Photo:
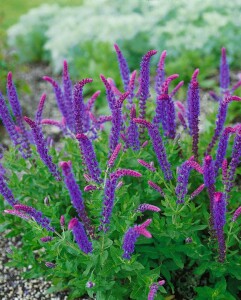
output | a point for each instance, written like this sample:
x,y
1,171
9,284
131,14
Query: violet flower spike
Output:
x,y
68,95
58,95
156,187
46,239
182,120
144,83
146,165
38,115
224,72
193,108
88,152
197,191
154,288
236,214
114,156
90,103
220,120
176,89
75,194
214,96
50,265
123,66
109,93
80,235
79,106
160,73
143,207
131,87
224,171
37,215
17,213
158,147
42,148
132,131
62,221
219,208
89,188
131,236
6,192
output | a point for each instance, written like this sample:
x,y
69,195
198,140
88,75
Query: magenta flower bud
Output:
x,y
236,214
87,177
37,215
80,235
156,188
194,165
144,144
109,93
17,214
181,107
89,188
50,265
176,89
119,185
46,239
143,207
197,191
62,221
90,103
51,122
182,120
131,87
114,156
235,87
124,172
146,165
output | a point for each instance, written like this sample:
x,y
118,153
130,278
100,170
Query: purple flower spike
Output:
x,y
89,157
37,215
224,171
214,96
235,87
124,172
79,106
68,95
62,221
193,107
236,214
131,87
6,192
50,265
46,239
182,180
221,118
116,123
8,122
219,208
89,188
38,115
42,148
143,207
123,66
197,191
222,147
146,165
235,160
91,101
132,131
13,97
144,144
131,236
154,288
17,213
144,82
109,93
114,156
160,73
80,236
176,89
224,72
156,188
158,147
75,193
182,120
58,95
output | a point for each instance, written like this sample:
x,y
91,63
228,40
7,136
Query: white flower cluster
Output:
x,y
178,24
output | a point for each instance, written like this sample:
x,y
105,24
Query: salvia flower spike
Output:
x,y
131,237
109,93
131,87
158,147
146,165
197,191
156,187
154,288
224,171
236,214
132,131
75,193
79,106
114,156
88,152
160,73
123,66
193,112
224,72
143,207
17,213
39,113
80,235
219,208
6,192
42,147
37,215
46,239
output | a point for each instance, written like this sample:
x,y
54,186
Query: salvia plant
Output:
x,y
148,209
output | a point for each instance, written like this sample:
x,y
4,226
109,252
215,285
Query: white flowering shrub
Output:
x,y
54,33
